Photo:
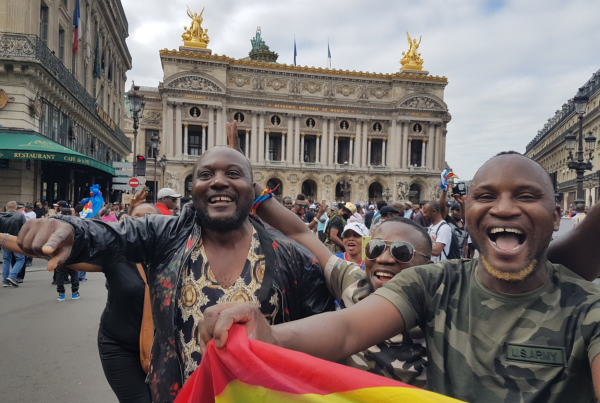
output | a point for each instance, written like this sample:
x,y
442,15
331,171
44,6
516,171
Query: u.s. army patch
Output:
x,y
536,354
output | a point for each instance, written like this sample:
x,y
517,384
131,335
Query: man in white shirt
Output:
x,y
439,231
28,212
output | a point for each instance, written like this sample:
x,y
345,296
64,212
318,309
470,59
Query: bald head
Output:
x,y
223,153
11,205
143,210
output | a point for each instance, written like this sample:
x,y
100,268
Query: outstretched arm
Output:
x,y
578,249
332,336
292,227
443,208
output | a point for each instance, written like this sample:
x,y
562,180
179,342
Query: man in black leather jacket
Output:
x,y
213,253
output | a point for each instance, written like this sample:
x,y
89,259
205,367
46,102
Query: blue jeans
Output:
x,y
6,271
82,275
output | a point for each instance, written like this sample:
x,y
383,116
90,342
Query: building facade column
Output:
x,y
165,128
366,156
399,146
211,128
323,156
297,157
267,145
261,137
443,148
430,163
318,156
178,131
301,148
282,148
405,150
290,139
186,140
205,139
357,146
220,127
438,146
423,151
408,150
170,137
393,158
247,144
351,162
330,149
384,152
335,157
254,139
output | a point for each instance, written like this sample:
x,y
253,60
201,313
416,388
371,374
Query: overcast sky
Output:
x,y
510,64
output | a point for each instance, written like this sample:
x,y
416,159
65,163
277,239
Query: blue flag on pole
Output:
x,y
328,54
295,53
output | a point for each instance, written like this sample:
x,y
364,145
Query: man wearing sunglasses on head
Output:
x,y
397,243
167,200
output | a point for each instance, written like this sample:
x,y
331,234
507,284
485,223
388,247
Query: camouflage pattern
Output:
x,y
403,357
339,222
484,346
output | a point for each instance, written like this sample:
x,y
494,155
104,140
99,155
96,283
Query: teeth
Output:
x,y
513,230
381,274
221,198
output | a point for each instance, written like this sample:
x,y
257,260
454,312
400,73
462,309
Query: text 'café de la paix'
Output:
x,y
305,129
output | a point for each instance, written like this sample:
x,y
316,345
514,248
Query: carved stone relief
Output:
x,y
362,181
311,87
329,90
258,83
194,83
173,180
345,90
421,103
295,87
293,178
258,176
402,190
328,180
434,191
240,81
276,84
379,92
152,117
363,92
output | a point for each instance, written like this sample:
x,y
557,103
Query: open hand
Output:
x,y
137,199
47,239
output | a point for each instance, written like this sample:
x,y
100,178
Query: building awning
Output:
x,y
30,146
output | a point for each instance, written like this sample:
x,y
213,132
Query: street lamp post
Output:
x,y
155,144
163,165
136,106
579,165
346,189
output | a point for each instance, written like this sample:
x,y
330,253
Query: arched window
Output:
x,y
375,191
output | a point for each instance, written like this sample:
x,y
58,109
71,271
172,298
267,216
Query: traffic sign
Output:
x,y
134,182
122,165
121,172
121,187
120,180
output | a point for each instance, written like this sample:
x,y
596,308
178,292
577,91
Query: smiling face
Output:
x,y
301,206
511,215
352,243
222,189
385,267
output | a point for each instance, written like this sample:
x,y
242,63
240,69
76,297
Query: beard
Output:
x,y
228,224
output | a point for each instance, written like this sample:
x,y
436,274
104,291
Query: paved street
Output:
x,y
48,348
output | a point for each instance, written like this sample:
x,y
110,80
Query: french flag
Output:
x,y
76,24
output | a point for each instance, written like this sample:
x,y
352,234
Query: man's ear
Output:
x,y
556,218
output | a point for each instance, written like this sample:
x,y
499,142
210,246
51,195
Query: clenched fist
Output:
x,y
49,239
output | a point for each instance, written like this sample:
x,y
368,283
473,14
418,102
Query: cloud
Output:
x,y
510,64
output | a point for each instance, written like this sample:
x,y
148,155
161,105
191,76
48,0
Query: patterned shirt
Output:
x,y
199,290
403,357
485,346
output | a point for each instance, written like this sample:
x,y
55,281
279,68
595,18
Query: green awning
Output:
x,y
30,146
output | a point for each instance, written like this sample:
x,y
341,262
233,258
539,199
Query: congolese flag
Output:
x,y
250,371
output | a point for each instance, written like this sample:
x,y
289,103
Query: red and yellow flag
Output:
x,y
251,371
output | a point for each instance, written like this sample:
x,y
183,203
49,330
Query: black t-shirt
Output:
x,y
369,218
122,317
40,212
309,216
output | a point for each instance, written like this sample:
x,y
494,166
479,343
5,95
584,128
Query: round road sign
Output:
x,y
134,182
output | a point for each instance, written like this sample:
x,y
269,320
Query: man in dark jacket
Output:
x,y
213,253
14,225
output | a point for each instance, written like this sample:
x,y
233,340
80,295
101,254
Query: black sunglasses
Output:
x,y
304,206
173,199
403,252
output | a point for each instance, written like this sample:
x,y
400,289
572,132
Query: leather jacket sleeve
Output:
x,y
140,240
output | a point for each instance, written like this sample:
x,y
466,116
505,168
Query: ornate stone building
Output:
x,y
331,134
548,146
59,110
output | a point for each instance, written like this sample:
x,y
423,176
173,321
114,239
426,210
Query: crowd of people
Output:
x,y
467,298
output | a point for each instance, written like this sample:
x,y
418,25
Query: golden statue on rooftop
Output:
x,y
412,60
195,37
